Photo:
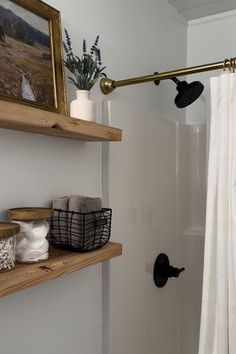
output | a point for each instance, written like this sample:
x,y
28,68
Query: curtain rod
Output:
x,y
108,85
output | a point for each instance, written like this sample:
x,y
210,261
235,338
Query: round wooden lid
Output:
x,y
8,229
30,214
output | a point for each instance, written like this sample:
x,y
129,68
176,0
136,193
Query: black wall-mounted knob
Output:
x,y
163,270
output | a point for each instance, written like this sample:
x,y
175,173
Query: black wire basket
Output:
x,y
82,232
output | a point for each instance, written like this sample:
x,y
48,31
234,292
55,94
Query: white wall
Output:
x,y
136,38
209,40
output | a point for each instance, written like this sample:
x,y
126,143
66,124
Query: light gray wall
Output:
x,y
64,316
209,41
137,38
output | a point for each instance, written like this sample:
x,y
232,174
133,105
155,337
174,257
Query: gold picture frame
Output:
x,y
31,57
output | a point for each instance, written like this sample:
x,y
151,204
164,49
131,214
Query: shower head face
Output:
x,y
188,93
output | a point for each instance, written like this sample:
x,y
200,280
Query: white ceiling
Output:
x,y
199,8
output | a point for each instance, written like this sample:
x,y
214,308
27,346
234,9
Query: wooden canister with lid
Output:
x,y
31,245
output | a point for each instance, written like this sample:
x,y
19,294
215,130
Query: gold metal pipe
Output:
x,y
108,85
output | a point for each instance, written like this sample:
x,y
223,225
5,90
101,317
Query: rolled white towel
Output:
x,y
32,245
38,232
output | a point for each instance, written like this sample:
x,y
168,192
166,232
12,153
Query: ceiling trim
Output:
x,y
212,18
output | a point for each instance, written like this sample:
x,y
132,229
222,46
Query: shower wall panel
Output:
x,y
191,143
154,180
139,184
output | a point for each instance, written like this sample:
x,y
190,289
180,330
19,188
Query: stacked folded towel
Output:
x,y
62,224
83,204
77,204
60,203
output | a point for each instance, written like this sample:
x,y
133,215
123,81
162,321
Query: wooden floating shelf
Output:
x,y
29,119
60,262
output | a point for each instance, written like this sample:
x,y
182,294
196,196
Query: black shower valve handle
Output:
x,y
163,270
174,272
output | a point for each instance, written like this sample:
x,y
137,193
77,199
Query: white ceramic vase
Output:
x,y
83,107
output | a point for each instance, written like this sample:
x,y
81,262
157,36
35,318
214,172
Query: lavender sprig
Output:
x,y
84,46
86,69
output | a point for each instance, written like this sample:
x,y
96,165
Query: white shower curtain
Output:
x,y
218,318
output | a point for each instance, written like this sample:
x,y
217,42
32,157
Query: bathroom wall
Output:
x,y
65,315
136,39
209,40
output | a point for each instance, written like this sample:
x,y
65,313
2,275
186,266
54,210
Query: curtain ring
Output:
x,y
225,65
232,68
234,63
230,65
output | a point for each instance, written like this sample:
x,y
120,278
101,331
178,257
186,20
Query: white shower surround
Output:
x,y
153,182
191,207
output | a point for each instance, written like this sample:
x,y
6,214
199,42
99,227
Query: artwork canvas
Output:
x,y
30,69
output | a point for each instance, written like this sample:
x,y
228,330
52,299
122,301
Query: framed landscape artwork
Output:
x,y
31,67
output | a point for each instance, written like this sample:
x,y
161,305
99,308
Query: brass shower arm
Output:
x,y
108,85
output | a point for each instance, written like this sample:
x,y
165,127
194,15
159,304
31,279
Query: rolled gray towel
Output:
x,y
83,204
91,204
60,203
61,223
74,203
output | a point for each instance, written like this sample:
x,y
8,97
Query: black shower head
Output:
x,y
187,93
